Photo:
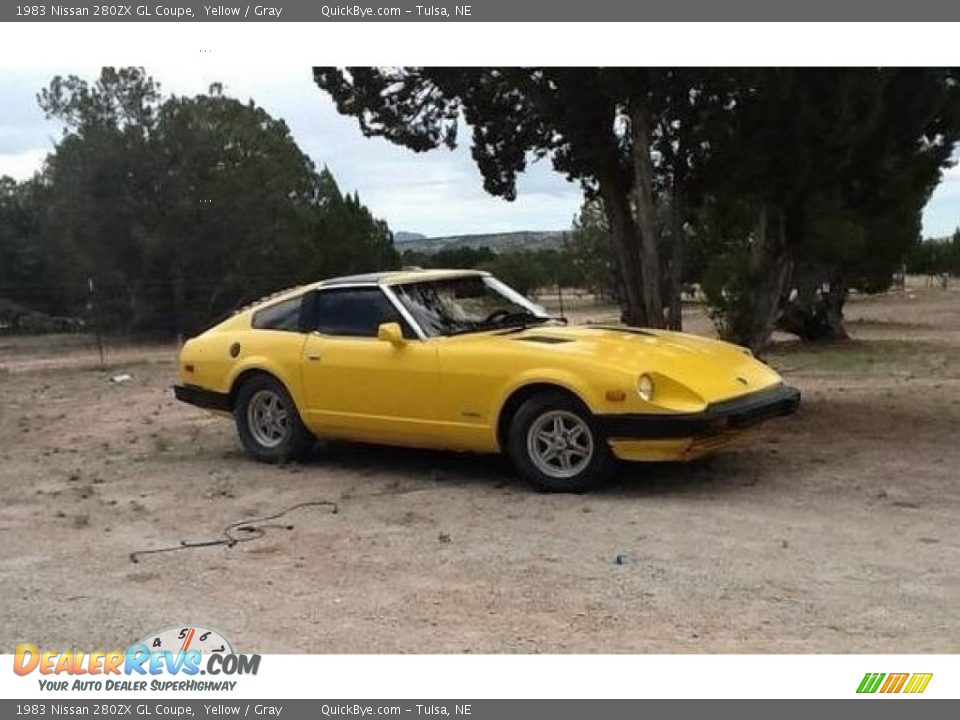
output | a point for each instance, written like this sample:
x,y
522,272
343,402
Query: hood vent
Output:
x,y
623,329
545,339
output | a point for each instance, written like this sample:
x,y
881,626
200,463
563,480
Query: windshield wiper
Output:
x,y
538,320
510,319
514,322
505,321
464,331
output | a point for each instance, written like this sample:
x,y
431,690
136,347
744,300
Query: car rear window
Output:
x,y
283,315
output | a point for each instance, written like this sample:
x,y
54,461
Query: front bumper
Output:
x,y
718,419
202,398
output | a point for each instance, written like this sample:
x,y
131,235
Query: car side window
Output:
x,y
356,312
284,315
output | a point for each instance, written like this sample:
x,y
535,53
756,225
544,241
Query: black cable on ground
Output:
x,y
252,529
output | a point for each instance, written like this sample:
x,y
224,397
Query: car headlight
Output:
x,y
645,387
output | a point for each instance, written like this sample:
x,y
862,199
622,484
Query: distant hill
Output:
x,y
400,237
497,242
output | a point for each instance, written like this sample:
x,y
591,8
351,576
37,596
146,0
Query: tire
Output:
x,y
581,459
268,422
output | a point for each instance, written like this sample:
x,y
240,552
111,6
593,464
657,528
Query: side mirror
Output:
x,y
391,333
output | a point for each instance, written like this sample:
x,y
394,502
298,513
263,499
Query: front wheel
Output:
x,y
555,444
268,422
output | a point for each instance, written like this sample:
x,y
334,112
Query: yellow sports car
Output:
x,y
455,359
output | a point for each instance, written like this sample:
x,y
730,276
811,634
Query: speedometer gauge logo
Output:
x,y
187,638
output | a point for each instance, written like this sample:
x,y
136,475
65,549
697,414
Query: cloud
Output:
x,y
22,166
435,193
24,131
942,214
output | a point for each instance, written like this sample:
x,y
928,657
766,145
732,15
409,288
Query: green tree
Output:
x,y
518,269
635,139
182,208
934,256
231,195
816,186
461,257
600,127
94,211
906,136
787,179
26,276
590,250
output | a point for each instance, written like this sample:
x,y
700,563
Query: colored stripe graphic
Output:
x,y
894,683
870,682
918,683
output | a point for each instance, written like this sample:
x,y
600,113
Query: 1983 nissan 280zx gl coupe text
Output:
x,y
455,359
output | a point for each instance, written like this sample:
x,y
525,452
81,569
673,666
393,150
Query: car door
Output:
x,y
359,387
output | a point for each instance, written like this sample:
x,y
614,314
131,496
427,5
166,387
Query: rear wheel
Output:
x,y
268,422
555,444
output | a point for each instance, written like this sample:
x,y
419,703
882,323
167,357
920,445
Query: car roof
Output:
x,y
396,277
387,277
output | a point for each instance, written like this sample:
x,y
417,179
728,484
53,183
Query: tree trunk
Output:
x,y
816,314
678,241
768,277
646,215
834,300
622,230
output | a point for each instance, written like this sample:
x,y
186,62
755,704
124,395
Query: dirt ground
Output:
x,y
836,530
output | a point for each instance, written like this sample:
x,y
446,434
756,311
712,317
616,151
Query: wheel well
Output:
x,y
243,377
518,398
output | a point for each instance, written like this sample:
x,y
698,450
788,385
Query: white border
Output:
x,y
371,43
623,44
465,677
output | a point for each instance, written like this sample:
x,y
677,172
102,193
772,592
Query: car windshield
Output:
x,y
467,304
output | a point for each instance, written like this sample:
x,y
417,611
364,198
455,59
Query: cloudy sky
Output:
x,y
435,193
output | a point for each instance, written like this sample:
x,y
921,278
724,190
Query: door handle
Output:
x,y
313,356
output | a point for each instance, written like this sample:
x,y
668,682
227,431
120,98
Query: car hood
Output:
x,y
714,370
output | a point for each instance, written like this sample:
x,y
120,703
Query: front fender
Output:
x,y
576,383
